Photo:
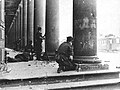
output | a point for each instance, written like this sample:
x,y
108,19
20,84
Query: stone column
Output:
x,y
85,30
14,33
2,31
52,26
25,18
21,23
30,19
16,25
18,22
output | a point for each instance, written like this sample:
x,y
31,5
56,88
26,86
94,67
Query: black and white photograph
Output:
x,y
59,44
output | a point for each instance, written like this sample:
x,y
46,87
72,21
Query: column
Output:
x,y
30,20
52,26
25,18
21,23
85,35
2,31
16,25
18,22
14,33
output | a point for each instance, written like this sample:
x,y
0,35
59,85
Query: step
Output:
x,y
68,78
72,85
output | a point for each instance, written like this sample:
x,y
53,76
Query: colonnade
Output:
x,y
31,14
47,14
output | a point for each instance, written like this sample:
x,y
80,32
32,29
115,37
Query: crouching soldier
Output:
x,y
64,56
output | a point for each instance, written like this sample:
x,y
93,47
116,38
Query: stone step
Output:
x,y
72,85
68,78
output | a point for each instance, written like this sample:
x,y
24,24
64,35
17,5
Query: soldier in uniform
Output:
x,y
38,43
64,56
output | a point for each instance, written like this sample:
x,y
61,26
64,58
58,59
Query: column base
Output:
x,y
87,59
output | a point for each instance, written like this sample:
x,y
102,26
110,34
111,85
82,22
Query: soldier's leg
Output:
x,y
69,65
61,65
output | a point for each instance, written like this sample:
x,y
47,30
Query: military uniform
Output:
x,y
64,52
